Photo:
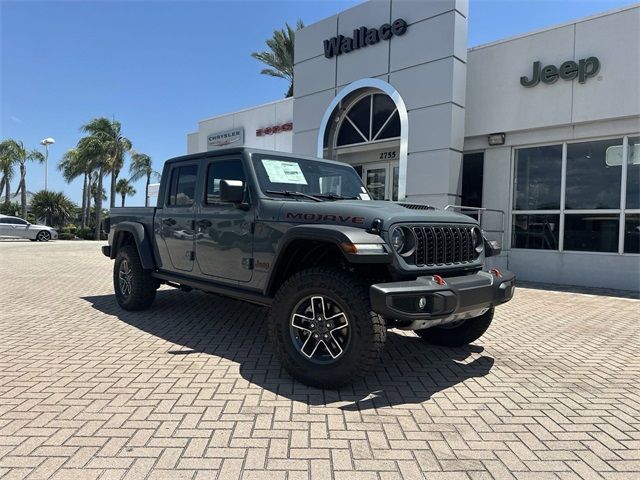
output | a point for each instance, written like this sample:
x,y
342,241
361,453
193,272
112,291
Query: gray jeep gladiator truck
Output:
x,y
301,236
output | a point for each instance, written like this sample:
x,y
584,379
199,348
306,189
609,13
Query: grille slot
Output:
x,y
443,245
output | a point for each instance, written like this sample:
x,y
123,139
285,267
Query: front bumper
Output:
x,y
457,298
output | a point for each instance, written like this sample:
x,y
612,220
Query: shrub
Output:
x,y
66,236
86,233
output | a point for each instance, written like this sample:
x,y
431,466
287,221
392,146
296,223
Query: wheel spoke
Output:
x,y
298,321
318,307
333,347
310,346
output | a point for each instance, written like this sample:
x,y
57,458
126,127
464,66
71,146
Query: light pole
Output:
x,y
46,142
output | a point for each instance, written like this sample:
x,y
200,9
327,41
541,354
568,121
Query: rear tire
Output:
x,y
333,307
458,335
134,286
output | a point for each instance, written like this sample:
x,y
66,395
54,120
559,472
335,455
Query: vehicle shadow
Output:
x,y
409,372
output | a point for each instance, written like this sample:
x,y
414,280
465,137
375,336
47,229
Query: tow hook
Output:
x,y
496,272
439,280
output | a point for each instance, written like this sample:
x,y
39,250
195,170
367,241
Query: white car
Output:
x,y
18,228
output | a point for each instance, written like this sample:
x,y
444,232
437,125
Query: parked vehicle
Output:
x,y
301,236
18,228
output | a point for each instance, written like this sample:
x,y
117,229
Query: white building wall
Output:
x,y
251,119
426,66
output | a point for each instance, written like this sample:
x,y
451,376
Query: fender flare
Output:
x,y
333,234
141,239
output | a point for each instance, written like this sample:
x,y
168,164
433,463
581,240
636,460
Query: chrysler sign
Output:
x,y
223,139
363,37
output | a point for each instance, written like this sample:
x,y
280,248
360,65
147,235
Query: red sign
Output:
x,y
285,127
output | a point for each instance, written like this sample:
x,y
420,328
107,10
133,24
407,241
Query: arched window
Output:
x,y
370,118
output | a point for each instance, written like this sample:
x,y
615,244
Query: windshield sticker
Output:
x,y
284,172
364,196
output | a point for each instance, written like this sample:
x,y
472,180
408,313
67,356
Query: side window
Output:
x,y
182,188
222,170
18,221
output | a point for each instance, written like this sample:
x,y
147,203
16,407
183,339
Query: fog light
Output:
x,y
422,303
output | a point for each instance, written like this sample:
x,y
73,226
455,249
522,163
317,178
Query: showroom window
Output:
x,y
580,196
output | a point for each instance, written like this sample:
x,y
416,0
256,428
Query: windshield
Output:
x,y
303,178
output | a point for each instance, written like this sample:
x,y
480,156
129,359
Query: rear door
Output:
x,y
224,246
174,230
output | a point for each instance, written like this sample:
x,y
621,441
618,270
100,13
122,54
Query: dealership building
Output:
x,y
541,131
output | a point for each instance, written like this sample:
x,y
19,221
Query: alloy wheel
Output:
x,y
320,329
44,236
124,278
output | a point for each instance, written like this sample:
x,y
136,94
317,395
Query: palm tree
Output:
x,y
141,167
125,189
73,164
280,54
21,156
7,162
96,151
116,145
54,207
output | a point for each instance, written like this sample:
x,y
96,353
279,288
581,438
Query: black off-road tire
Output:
x,y
367,332
143,286
458,335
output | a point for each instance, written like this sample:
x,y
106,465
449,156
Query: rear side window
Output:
x,y
222,170
182,189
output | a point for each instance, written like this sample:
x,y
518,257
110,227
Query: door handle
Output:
x,y
169,222
204,223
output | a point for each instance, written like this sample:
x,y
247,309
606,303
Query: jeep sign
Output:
x,y
583,69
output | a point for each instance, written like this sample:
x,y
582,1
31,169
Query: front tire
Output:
x,y
323,330
134,286
43,236
458,334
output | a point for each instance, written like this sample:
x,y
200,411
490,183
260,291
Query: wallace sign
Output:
x,y
363,37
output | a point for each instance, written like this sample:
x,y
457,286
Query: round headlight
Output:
x,y
477,238
397,239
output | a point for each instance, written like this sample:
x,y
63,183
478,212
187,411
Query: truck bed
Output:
x,y
143,215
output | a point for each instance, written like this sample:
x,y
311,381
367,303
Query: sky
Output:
x,y
160,66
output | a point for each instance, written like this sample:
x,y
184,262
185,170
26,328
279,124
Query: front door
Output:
x,y
381,180
175,235
224,246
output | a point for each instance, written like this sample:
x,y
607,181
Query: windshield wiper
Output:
x,y
334,196
289,193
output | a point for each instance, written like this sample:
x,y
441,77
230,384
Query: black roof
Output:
x,y
249,150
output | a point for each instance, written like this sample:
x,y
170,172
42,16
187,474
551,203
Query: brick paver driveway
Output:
x,y
191,389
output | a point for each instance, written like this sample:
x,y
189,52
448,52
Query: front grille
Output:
x,y
445,245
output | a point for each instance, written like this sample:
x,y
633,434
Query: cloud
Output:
x,y
16,120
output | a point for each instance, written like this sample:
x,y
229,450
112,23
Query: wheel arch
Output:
x,y
132,233
313,245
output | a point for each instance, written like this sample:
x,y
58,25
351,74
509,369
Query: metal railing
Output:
x,y
480,211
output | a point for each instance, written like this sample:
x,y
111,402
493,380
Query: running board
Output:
x,y
231,292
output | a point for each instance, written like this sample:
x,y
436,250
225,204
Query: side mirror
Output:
x,y
491,248
231,191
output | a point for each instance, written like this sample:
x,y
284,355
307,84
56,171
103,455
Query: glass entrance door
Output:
x,y
381,180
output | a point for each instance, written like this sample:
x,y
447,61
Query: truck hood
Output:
x,y
362,212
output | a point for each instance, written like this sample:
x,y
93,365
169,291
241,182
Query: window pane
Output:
x,y
537,178
632,233
360,114
224,170
383,107
392,129
633,173
348,135
183,186
591,232
591,183
535,231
